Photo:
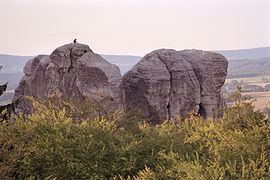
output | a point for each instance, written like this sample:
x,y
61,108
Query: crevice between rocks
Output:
x,y
170,95
71,82
71,61
201,110
170,88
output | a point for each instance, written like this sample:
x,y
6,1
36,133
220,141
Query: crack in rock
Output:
x,y
170,88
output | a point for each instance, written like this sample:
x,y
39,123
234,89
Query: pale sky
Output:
x,y
133,27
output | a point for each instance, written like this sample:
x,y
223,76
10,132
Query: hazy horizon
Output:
x,y
31,27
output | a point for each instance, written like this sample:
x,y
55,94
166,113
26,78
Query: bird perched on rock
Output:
x,y
75,41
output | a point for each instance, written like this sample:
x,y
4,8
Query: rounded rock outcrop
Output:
x,y
72,69
166,83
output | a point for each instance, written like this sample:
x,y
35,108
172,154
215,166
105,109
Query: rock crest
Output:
x,y
74,70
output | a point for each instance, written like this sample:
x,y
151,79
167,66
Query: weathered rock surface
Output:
x,y
164,84
167,83
74,70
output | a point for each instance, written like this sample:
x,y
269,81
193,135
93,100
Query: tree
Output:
x,y
5,110
266,110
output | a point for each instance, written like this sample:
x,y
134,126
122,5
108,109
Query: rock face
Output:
x,y
164,84
167,83
73,69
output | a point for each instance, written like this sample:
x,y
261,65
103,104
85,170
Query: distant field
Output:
x,y
262,99
249,79
259,84
6,97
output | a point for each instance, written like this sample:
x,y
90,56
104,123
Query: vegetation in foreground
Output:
x,y
255,87
64,140
5,109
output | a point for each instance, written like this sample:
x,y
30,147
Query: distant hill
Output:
x,y
253,53
13,64
12,69
247,62
124,62
248,67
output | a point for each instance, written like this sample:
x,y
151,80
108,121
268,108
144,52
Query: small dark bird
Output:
x,y
75,41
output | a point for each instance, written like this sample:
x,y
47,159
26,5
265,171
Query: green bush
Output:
x,y
5,110
88,140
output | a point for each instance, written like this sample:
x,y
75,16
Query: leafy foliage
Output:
x,y
88,140
5,110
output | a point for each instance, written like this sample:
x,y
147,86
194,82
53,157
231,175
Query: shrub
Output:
x,y
5,110
88,140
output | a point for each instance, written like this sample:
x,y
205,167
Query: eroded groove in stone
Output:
x,y
170,88
147,87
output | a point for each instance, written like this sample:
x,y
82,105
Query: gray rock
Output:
x,y
147,87
166,83
33,82
211,70
75,71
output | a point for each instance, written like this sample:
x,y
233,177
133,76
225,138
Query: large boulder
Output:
x,y
75,71
166,83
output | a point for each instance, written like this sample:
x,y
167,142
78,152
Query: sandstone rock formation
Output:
x,y
167,83
164,84
73,69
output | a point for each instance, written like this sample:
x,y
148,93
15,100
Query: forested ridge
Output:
x,y
86,140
